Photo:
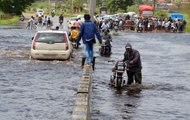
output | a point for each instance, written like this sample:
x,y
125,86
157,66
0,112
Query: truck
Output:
x,y
146,10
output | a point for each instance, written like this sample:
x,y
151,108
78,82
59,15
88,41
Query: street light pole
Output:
x,y
154,6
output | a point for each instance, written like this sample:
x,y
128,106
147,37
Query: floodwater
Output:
x,y
165,60
45,90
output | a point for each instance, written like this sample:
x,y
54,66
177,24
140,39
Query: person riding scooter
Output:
x,y
53,13
74,33
108,39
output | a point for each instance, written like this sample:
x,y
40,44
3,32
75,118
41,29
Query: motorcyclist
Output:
x,y
108,39
53,13
116,25
133,60
140,25
73,34
105,25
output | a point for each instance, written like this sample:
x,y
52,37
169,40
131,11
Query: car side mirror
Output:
x,y
32,38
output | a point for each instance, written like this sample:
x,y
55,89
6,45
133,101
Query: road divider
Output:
x,y
81,109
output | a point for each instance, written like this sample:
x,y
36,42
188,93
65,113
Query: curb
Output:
x,y
81,110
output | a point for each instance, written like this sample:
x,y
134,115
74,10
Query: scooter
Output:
x,y
140,27
117,79
104,50
74,44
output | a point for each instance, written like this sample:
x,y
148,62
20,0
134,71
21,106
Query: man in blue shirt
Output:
x,y
88,30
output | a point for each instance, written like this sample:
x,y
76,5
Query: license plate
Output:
x,y
50,55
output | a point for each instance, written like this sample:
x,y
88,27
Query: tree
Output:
x,y
77,5
14,6
114,5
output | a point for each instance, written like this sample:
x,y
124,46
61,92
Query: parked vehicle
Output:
x,y
146,10
40,13
177,16
51,45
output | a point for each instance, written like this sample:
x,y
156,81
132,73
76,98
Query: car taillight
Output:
x,y
66,43
34,42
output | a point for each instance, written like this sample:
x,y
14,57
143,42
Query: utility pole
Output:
x,y
154,6
72,6
49,8
92,9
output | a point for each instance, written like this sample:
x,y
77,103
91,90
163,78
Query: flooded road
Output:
x,y
165,60
45,90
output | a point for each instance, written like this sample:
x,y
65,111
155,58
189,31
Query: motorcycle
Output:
x,y
22,18
140,27
116,28
117,79
74,44
105,49
52,13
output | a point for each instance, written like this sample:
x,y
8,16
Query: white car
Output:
x,y
51,45
40,12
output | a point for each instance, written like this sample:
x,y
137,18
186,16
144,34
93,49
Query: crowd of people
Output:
x,y
149,24
161,25
43,22
39,21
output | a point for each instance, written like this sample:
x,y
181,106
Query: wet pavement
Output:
x,y
45,90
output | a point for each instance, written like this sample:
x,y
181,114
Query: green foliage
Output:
x,y
99,3
134,8
114,5
161,14
187,19
14,6
12,21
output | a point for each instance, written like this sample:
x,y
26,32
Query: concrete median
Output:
x,y
81,109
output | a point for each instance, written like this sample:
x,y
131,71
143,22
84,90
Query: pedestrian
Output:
x,y
61,19
88,30
133,60
31,22
57,28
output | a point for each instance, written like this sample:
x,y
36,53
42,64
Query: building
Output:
x,y
180,1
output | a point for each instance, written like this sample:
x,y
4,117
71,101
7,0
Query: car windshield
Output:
x,y
40,10
51,37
